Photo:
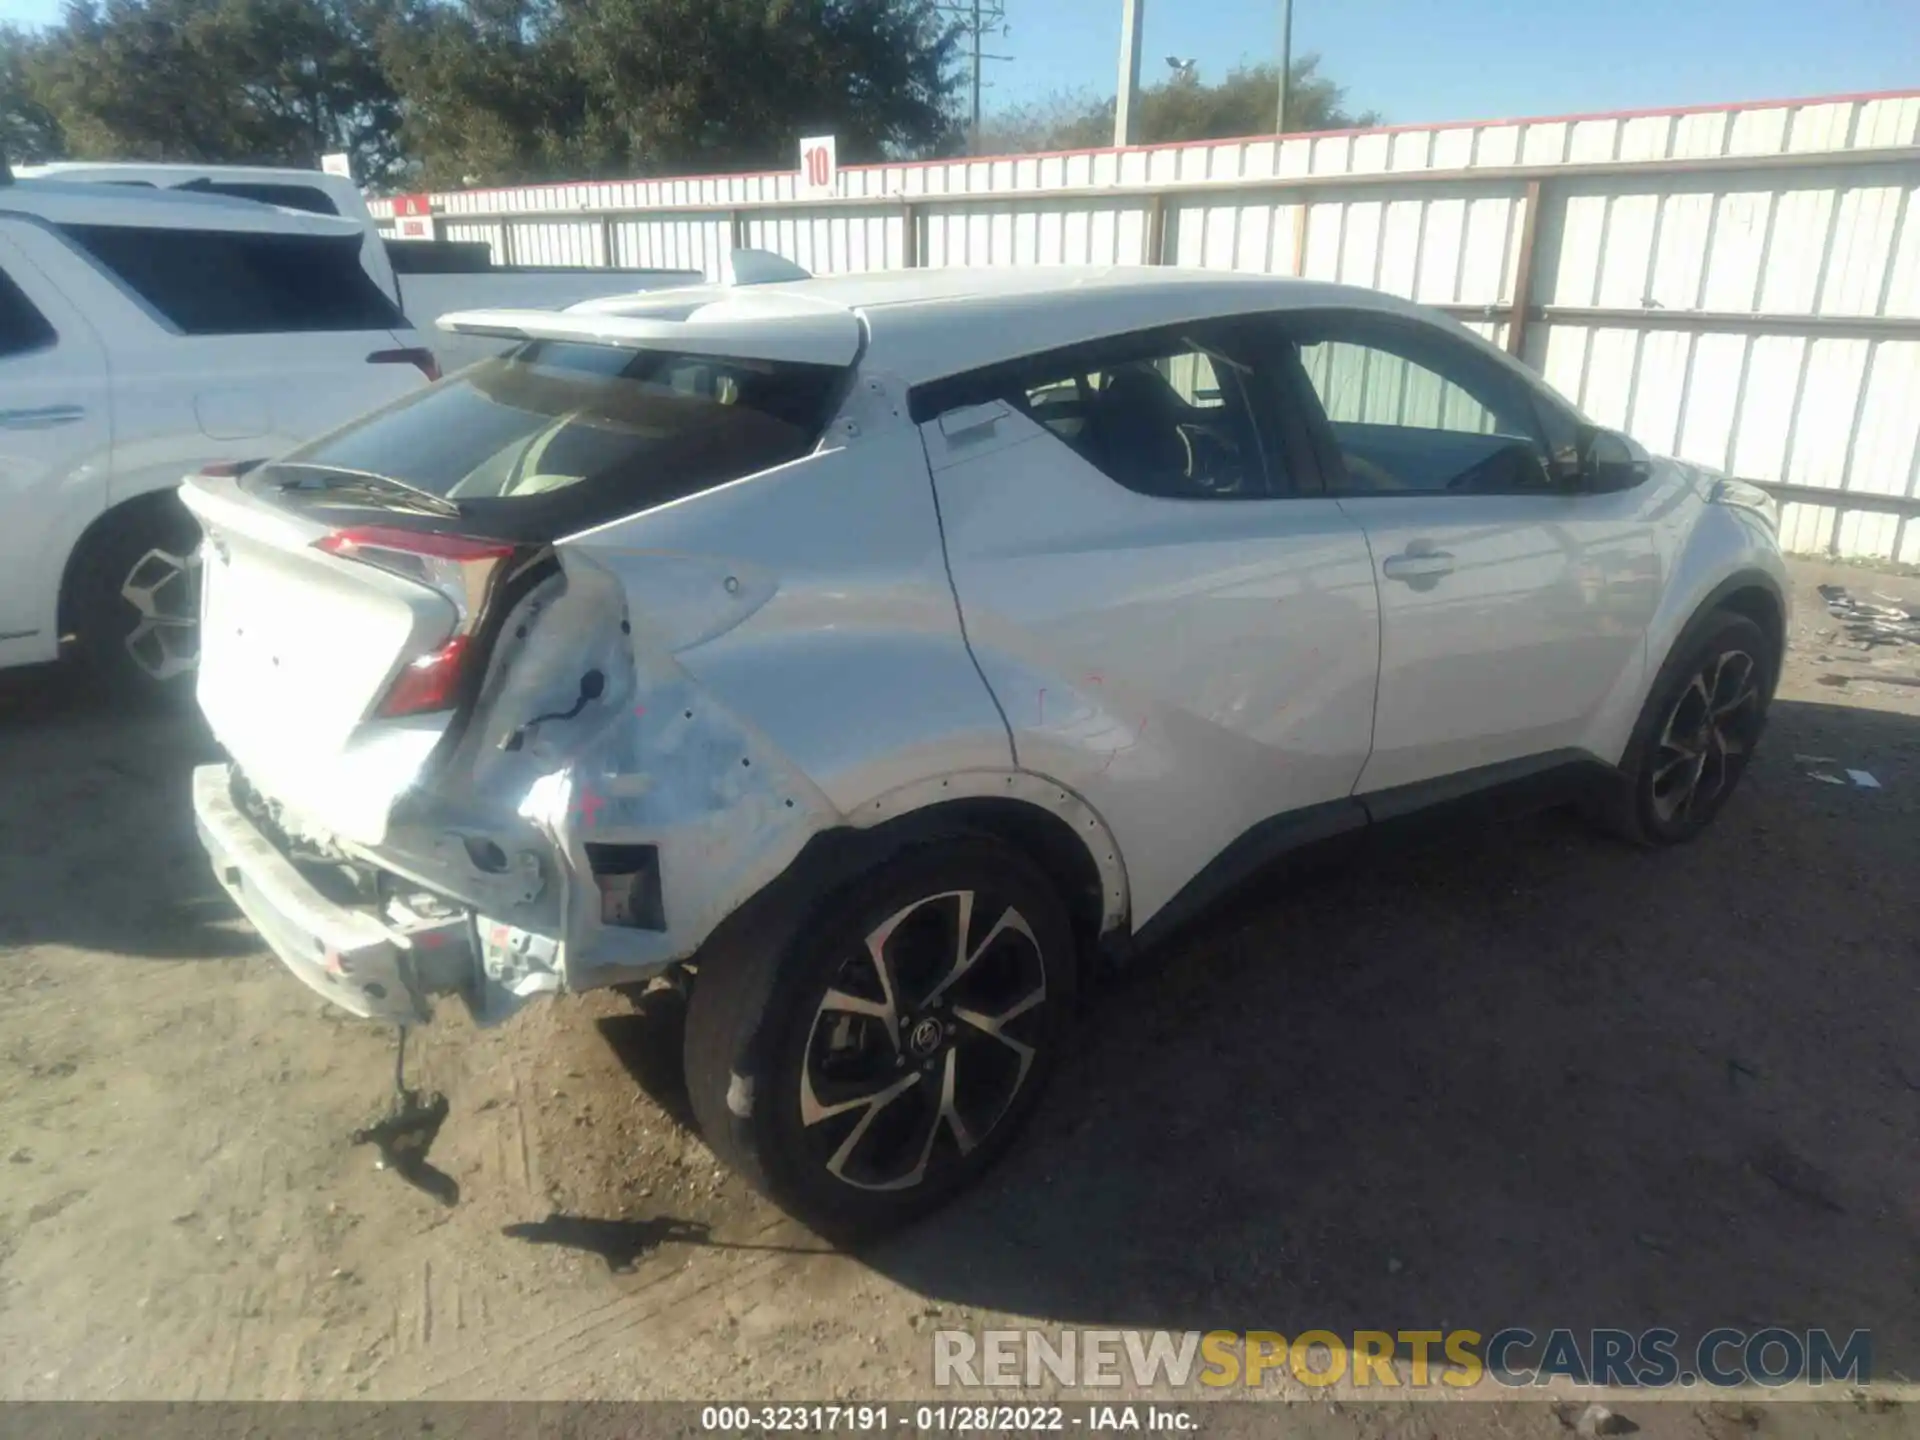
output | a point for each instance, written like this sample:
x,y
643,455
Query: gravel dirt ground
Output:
x,y
1517,1075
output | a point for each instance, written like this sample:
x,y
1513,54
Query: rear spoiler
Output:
x,y
808,334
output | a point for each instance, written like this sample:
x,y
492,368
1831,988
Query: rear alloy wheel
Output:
x,y
902,1042
1697,733
922,1042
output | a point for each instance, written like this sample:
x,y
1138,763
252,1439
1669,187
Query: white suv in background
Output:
x,y
314,191
885,648
144,335
427,279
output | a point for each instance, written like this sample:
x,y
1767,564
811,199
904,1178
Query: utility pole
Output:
x,y
1131,17
974,132
1286,64
976,18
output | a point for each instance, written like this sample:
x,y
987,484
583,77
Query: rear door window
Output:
x,y
559,436
1175,414
223,282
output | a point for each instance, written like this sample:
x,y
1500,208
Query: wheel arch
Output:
x,y
1046,822
1752,596
1045,837
1752,593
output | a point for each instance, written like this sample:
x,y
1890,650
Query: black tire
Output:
x,y
144,549
1683,763
766,1049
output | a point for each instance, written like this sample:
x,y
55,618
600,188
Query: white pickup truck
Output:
x,y
156,320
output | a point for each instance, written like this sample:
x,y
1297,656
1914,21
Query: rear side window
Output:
x,y
558,436
22,327
222,282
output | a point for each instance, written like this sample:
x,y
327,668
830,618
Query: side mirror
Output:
x,y
1611,461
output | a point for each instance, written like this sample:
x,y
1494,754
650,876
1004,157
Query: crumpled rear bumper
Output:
x,y
347,955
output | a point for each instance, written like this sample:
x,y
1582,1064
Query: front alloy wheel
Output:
x,y
1708,730
873,1063
1696,734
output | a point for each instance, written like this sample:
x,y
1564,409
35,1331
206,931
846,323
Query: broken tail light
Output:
x,y
460,567
428,684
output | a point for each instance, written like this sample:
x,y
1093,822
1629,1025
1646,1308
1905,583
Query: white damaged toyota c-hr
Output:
x,y
887,650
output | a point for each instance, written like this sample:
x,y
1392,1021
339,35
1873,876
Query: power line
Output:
x,y
976,20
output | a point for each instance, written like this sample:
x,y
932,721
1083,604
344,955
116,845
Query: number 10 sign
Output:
x,y
817,166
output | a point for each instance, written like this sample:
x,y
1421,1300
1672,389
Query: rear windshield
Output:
x,y
557,436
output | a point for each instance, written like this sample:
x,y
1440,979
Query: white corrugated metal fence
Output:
x,y
1739,285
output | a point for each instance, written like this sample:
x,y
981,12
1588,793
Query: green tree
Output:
x,y
244,81
522,89
1065,120
489,92
1180,107
29,131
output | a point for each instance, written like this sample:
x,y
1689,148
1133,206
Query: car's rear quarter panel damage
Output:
x,y
841,642
505,820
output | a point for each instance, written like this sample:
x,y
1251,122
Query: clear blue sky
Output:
x,y
1465,59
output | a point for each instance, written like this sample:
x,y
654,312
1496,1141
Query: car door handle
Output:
x,y
1421,565
44,418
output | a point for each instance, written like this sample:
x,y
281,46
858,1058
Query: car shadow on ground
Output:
x,y
96,822
1518,1076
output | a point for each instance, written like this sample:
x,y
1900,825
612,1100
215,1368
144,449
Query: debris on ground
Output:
x,y
1821,768
1596,1419
1886,620
404,1135
1879,637
407,1131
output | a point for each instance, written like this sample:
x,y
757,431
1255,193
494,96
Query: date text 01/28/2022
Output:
x,y
994,1419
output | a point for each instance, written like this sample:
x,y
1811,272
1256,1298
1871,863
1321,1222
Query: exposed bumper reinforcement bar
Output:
x,y
346,955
